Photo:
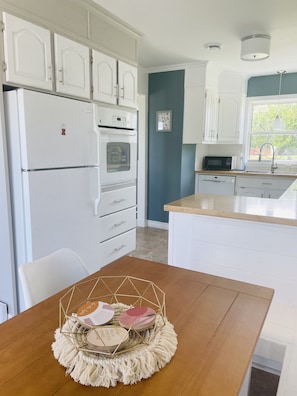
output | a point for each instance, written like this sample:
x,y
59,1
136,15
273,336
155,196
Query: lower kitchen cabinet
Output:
x,y
117,223
263,187
114,200
116,247
117,211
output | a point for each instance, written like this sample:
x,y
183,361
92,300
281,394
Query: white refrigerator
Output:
x,y
54,177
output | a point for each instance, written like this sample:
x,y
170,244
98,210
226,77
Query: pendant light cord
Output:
x,y
280,72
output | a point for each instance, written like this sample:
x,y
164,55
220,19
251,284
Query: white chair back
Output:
x,y
46,276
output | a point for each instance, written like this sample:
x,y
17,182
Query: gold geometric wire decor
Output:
x,y
122,293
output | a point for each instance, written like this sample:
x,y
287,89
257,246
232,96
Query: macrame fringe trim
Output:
x,y
129,367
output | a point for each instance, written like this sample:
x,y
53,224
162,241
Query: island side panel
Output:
x,y
249,251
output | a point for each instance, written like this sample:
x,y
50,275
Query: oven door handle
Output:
x,y
97,200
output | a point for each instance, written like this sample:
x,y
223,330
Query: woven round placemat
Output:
x,y
129,367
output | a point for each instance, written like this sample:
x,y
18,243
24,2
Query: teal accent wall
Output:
x,y
269,85
171,164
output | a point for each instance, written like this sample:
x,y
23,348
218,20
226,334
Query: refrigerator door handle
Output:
x,y
97,200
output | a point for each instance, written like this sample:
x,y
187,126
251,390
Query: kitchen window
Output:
x,y
261,114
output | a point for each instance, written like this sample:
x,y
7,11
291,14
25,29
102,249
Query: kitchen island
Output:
x,y
248,238
252,240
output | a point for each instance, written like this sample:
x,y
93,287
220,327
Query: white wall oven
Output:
x,y
117,131
117,145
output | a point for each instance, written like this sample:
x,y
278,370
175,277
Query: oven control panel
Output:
x,y
115,118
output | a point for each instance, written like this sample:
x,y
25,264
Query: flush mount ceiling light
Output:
x,y
213,46
255,47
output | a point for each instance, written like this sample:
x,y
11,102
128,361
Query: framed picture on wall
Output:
x,y
164,121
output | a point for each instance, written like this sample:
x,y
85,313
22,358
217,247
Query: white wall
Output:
x,y
142,162
142,147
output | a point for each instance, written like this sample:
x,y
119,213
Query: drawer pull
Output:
x,y
117,201
119,224
119,248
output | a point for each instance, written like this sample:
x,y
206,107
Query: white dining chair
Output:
x,y
46,276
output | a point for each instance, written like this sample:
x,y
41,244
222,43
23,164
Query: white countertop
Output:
x,y
274,211
246,173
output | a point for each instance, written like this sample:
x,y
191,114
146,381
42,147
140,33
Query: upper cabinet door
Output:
x,y
72,67
104,78
127,79
230,118
211,116
27,52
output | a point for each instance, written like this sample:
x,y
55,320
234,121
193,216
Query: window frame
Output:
x,y
261,100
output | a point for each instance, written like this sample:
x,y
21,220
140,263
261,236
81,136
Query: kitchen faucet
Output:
x,y
273,166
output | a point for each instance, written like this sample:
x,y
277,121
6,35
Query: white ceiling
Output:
x,y
175,31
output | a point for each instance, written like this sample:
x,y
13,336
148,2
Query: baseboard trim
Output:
x,y
157,224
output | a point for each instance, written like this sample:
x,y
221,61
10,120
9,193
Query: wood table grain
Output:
x,y
217,321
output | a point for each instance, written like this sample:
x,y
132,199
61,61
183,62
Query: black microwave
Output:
x,y
219,163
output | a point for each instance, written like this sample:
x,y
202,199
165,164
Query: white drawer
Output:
x,y
117,223
117,247
263,182
115,200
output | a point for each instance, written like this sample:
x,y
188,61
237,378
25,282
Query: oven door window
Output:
x,y
117,157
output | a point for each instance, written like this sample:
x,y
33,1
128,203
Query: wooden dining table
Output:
x,y
217,320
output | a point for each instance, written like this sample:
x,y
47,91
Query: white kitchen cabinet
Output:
x,y
27,53
261,193
127,80
116,247
117,211
250,192
117,223
194,104
211,116
105,88
114,200
264,187
114,81
72,63
223,118
230,118
193,122
200,104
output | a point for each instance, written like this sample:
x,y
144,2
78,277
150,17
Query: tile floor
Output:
x,y
151,244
